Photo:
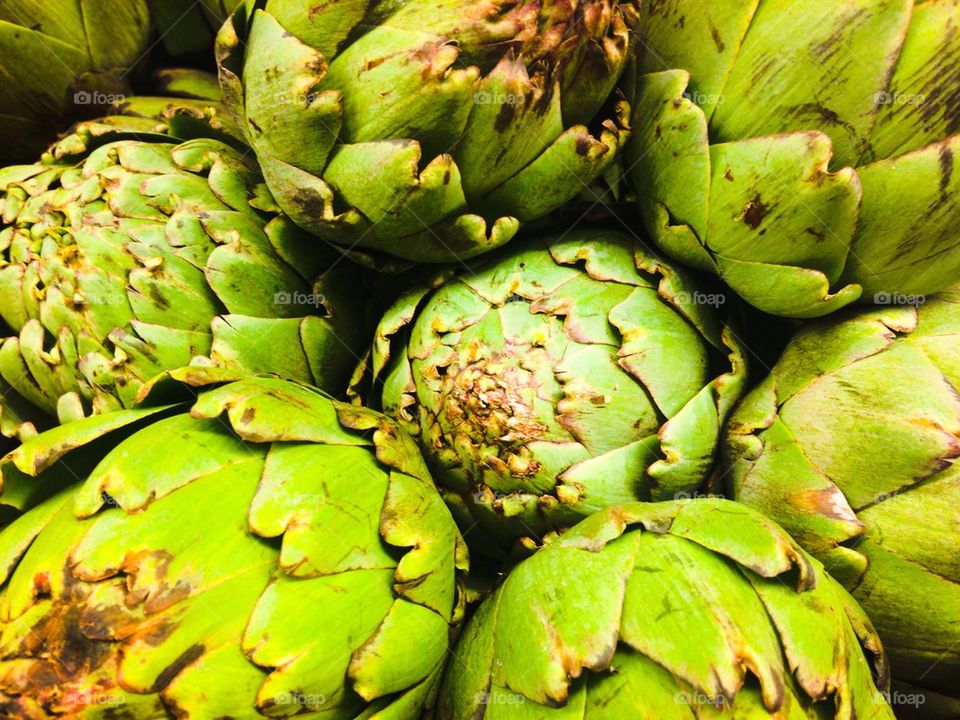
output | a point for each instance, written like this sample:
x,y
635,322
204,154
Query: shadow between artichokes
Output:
x,y
668,611
428,131
189,26
556,377
851,444
127,251
750,117
277,557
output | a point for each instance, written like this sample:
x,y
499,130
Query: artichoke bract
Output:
x,y
851,444
557,377
751,117
668,611
275,557
428,131
61,59
126,252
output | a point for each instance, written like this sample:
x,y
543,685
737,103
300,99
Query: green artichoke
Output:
x,y
270,552
126,252
672,611
851,444
556,378
429,131
750,118
61,59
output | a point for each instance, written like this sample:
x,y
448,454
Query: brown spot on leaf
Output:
x,y
717,40
106,622
583,145
310,203
507,112
190,655
157,633
946,168
159,595
837,40
41,585
755,212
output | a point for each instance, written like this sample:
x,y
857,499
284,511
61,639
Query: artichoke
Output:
x,y
61,59
428,131
126,252
270,552
556,378
679,610
851,445
751,117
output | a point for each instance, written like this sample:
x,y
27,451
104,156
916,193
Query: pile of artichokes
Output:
x,y
480,359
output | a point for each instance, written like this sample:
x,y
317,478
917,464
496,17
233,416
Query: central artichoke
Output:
x,y
126,252
270,553
428,130
558,377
